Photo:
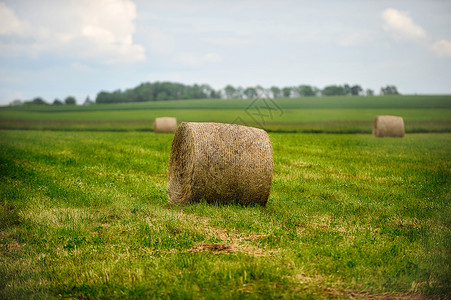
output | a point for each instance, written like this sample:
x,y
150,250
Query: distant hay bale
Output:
x,y
388,126
221,163
165,124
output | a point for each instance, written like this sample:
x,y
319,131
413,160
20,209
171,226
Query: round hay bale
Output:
x,y
165,124
388,126
221,163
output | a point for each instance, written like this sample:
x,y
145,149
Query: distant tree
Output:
x,y
276,92
286,92
356,90
333,90
216,94
57,102
389,90
250,93
16,102
306,91
239,93
197,91
208,91
162,96
141,93
159,91
369,92
103,97
70,100
176,91
347,89
229,91
37,101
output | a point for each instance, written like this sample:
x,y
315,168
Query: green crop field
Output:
x,y
327,114
84,209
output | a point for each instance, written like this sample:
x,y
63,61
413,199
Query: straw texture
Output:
x,y
221,163
388,126
165,124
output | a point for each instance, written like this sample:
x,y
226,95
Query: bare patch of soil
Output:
x,y
368,295
214,248
230,241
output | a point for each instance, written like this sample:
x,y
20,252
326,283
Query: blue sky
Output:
x,y
56,48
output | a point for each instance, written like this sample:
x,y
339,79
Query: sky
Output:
x,y
58,48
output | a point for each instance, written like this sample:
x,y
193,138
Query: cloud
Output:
x,y
100,30
442,48
401,26
9,23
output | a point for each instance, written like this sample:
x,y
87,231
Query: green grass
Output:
x,y
293,120
327,114
86,215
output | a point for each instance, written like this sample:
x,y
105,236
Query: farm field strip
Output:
x,y
314,120
287,115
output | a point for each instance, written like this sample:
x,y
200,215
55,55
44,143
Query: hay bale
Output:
x,y
388,126
221,163
165,124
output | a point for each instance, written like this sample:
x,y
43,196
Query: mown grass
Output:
x,y
86,215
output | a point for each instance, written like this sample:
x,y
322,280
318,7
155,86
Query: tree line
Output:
x,y
176,91
162,91
158,91
69,100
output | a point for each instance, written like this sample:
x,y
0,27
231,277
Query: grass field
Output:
x,y
86,215
84,210
320,115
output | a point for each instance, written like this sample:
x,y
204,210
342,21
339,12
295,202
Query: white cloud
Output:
x,y
99,34
9,23
112,16
401,26
442,48
100,30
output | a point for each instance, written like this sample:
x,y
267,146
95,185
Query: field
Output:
x,y
84,210
318,115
